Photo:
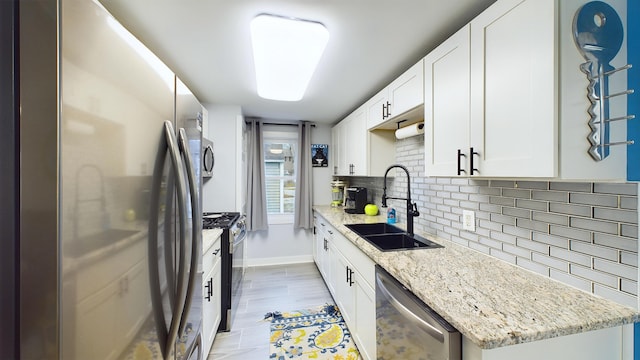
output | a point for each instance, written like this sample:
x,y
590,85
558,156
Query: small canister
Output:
x,y
391,216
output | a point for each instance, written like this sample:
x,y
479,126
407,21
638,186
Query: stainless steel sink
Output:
x,y
387,237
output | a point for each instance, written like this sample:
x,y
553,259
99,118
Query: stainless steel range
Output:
x,y
233,259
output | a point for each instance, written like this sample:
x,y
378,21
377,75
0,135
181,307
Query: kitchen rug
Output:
x,y
311,334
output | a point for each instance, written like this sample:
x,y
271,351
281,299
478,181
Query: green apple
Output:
x,y
371,209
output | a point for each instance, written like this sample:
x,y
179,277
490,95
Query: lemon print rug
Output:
x,y
311,334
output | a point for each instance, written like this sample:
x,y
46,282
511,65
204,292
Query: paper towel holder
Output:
x,y
413,129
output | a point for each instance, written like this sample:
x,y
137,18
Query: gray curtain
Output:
x,y
256,192
303,216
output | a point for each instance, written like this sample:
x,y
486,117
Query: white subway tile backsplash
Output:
x,y
557,196
592,199
532,204
568,209
550,218
574,281
568,186
594,250
570,233
530,265
622,189
630,203
616,269
551,240
503,255
571,256
629,231
580,233
550,261
593,225
593,275
521,213
617,296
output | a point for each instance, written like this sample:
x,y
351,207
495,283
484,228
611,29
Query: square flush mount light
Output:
x,y
286,52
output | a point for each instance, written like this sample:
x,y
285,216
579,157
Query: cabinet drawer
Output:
x,y
360,261
211,256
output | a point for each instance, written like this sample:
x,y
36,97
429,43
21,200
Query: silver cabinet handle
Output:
x,y
430,329
196,221
167,337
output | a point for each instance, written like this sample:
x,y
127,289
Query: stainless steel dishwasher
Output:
x,y
407,328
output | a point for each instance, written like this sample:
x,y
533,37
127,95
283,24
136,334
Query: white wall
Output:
x,y
281,244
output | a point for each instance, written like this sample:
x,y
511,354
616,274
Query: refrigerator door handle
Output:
x,y
196,218
167,337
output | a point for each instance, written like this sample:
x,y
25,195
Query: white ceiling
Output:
x,y
207,43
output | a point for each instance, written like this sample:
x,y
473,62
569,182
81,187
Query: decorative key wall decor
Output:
x,y
598,33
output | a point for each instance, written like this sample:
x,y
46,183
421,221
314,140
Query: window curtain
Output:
x,y
256,192
303,214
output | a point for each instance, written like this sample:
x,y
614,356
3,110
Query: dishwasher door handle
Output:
x,y
398,305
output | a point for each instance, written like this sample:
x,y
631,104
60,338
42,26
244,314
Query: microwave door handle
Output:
x,y
422,323
196,220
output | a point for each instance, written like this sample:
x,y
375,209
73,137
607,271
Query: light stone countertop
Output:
x,y
491,302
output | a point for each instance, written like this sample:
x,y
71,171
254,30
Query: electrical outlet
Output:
x,y
468,220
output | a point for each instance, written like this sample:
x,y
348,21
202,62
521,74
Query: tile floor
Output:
x,y
266,289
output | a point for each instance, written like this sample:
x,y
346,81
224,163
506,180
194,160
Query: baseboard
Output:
x,y
283,260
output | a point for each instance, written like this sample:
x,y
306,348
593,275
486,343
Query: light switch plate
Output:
x,y
468,220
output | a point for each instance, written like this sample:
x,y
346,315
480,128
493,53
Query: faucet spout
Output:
x,y
412,208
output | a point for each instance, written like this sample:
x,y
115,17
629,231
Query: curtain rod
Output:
x,y
276,123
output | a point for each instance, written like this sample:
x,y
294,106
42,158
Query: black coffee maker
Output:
x,y
356,200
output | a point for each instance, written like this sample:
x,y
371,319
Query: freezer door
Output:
x,y
115,98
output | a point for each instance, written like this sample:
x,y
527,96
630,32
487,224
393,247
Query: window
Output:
x,y
280,155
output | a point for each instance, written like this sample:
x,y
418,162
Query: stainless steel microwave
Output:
x,y
208,158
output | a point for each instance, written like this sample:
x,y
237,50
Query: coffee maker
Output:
x,y
356,200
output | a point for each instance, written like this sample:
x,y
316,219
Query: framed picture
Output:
x,y
319,155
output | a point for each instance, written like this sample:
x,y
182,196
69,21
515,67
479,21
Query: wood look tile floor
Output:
x,y
266,289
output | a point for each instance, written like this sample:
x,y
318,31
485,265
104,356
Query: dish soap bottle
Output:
x,y
391,216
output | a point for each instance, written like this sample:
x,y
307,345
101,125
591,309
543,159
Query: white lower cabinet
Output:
x,y
365,314
211,294
349,275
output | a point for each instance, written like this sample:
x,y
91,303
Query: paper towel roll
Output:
x,y
411,130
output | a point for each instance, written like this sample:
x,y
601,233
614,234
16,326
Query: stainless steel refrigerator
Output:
x,y
100,203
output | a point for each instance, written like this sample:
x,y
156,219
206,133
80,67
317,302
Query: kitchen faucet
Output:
x,y
412,209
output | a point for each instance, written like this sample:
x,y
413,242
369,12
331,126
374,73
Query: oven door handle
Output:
x,y
196,220
166,337
398,305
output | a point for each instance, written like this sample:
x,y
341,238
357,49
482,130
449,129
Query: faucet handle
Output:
x,y
415,211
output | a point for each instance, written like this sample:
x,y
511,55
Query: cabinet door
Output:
x,y
356,143
513,91
338,152
406,92
446,110
365,318
376,109
344,281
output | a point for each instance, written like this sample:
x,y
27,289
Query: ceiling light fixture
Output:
x,y
286,52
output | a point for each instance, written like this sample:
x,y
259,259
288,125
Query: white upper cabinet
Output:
x,y
446,106
403,94
359,152
513,92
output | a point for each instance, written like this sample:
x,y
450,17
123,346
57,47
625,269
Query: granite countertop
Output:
x,y
491,302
